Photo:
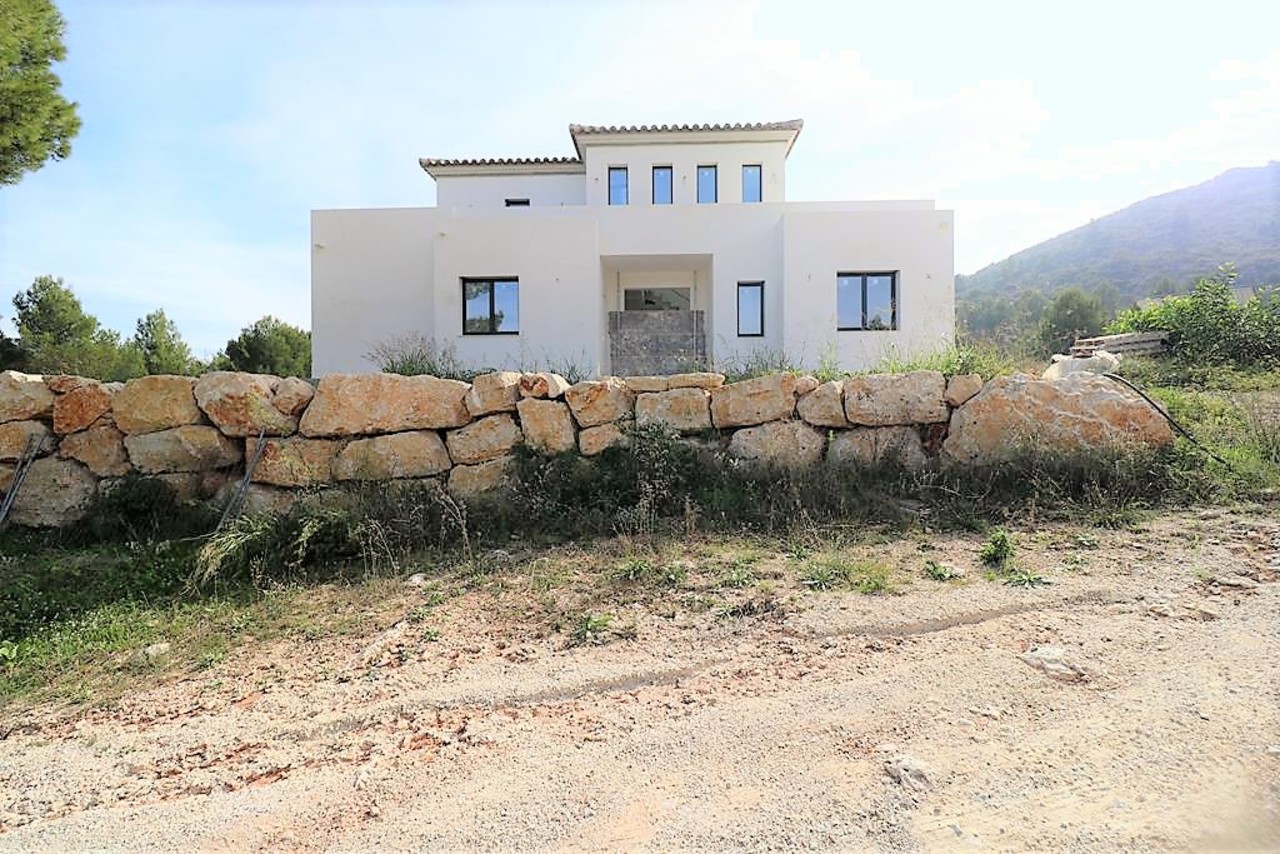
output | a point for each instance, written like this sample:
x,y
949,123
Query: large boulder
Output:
x,y
647,384
188,448
242,404
869,445
883,400
754,401
1081,412
700,379
824,406
15,435
595,402
487,477
483,440
961,388
416,454
293,395
100,448
543,386
594,440
82,405
787,444
547,425
1101,362
686,409
23,397
363,404
55,493
496,392
293,461
151,404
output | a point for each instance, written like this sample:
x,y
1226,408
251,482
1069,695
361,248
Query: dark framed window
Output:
x,y
750,309
491,306
707,189
662,185
617,185
867,301
517,203
752,188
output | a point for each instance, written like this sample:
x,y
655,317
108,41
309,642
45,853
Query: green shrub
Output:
x,y
418,355
139,509
975,358
997,550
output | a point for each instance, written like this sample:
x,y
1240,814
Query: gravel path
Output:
x,y
1130,705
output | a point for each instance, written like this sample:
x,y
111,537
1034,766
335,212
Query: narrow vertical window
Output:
x,y
751,188
662,185
750,309
617,185
707,190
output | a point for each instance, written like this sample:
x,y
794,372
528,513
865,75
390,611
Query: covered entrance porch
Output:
x,y
657,306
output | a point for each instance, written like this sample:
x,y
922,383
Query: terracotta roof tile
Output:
x,y
793,124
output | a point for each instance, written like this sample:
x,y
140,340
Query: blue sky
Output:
x,y
211,129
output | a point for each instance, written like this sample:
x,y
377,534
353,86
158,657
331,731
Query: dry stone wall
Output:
x,y
199,434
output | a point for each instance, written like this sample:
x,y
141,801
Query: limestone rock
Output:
x,y
151,404
686,410
1056,663
1017,414
805,384
14,436
779,443
63,383
1101,362
483,440
258,498
417,454
695,380
293,395
644,385
361,404
961,388
824,406
242,404
81,406
496,392
870,445
23,397
100,448
595,402
189,487
187,448
594,440
294,461
55,493
544,385
7,470
547,425
754,401
882,400
486,477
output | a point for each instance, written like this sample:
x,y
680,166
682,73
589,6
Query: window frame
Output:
x,y
715,183
759,167
492,282
895,319
750,284
626,186
671,185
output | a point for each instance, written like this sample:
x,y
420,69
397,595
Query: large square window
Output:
x,y
752,189
867,301
750,309
490,306
662,185
617,185
707,190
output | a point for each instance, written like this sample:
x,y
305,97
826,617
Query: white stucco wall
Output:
x,y
371,281
728,157
492,191
918,244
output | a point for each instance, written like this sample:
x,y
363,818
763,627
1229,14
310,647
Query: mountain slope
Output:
x,y
1178,236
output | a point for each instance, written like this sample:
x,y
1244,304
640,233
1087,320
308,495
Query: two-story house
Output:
x,y
653,249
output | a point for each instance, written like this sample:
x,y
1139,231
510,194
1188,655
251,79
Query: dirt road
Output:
x,y
1152,720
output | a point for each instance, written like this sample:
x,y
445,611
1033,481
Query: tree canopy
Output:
x,y
163,350
57,336
269,346
37,123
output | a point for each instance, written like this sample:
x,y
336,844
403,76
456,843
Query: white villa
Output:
x,y
652,250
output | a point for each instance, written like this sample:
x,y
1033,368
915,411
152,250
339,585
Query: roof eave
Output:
x,y
438,169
